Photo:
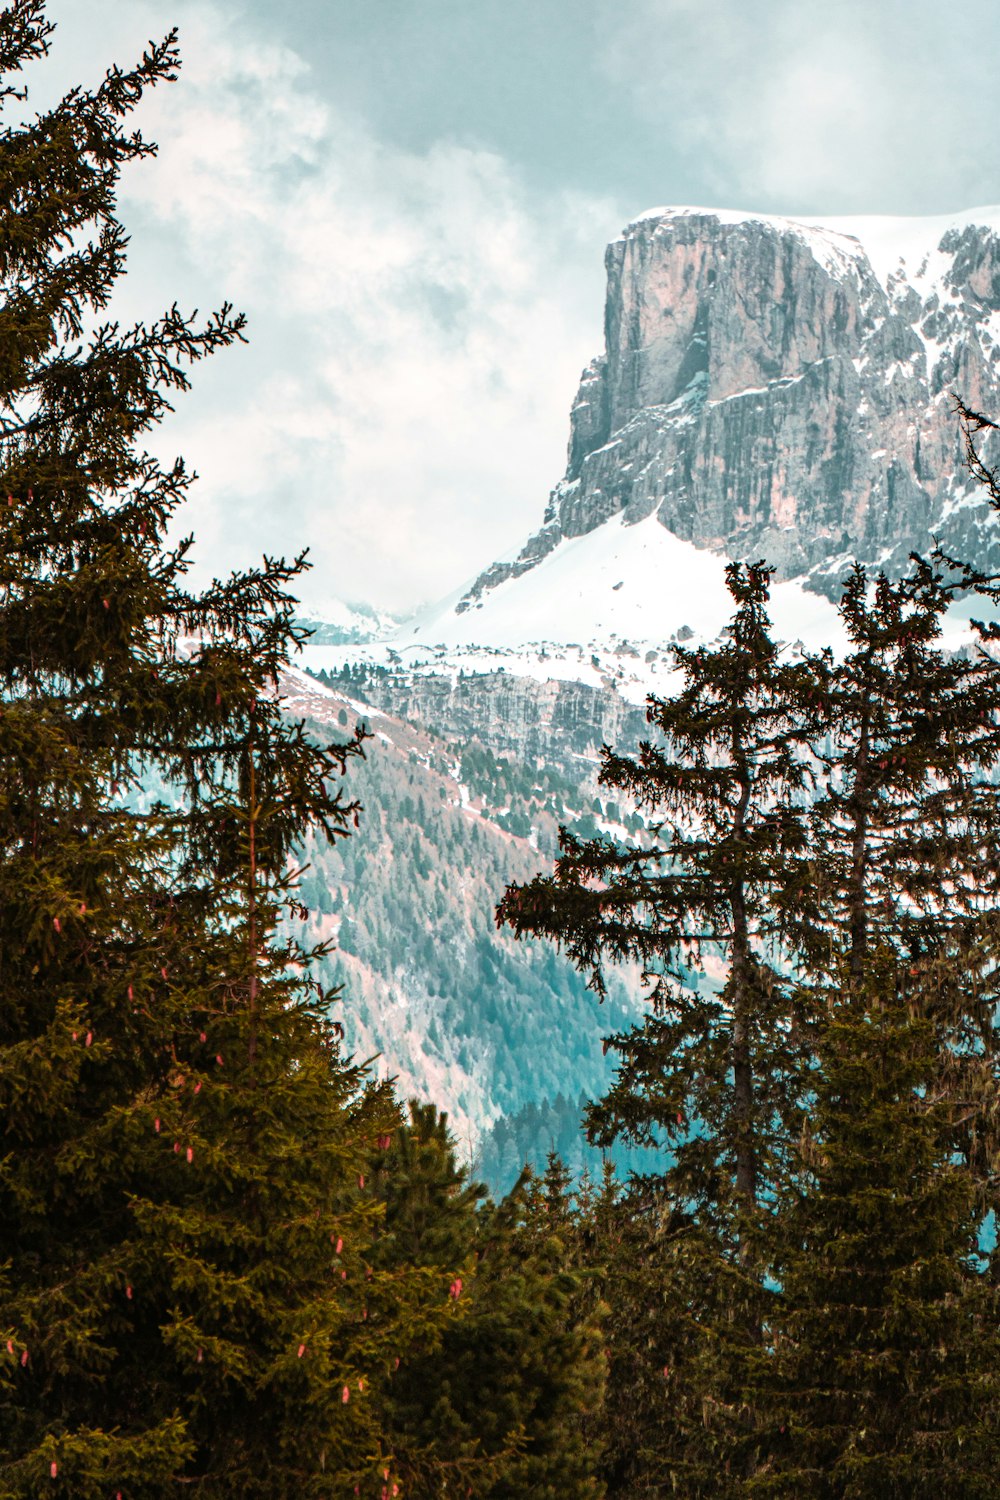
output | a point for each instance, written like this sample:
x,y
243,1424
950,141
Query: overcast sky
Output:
x,y
410,199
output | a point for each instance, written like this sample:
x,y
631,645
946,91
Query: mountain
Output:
x,y
768,388
334,623
782,389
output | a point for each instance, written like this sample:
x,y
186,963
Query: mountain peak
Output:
x,y
783,388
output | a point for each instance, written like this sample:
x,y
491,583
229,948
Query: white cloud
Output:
x,y
818,105
418,319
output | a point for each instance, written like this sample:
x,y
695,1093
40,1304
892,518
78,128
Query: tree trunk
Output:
x,y
742,980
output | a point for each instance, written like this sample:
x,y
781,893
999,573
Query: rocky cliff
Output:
x,y
561,724
781,389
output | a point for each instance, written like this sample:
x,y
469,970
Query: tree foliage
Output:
x,y
185,1158
822,821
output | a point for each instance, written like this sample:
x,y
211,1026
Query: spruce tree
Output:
x,y
709,1073
820,812
185,1158
880,1373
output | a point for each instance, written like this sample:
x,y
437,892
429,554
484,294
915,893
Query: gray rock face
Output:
x,y
765,391
562,724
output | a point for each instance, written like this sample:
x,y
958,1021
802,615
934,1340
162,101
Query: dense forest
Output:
x,y
234,1262
506,1027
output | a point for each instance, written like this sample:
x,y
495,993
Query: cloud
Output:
x,y
818,105
418,319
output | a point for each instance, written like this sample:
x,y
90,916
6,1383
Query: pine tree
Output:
x,y
880,1374
711,1074
681,1321
185,1159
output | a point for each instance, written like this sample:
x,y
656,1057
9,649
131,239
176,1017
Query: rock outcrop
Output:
x,y
560,723
772,389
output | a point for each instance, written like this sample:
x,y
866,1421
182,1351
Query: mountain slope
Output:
x,y
782,389
457,1011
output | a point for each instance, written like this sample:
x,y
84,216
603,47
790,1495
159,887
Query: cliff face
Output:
x,y
775,389
562,724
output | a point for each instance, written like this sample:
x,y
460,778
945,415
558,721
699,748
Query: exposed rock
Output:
x,y
561,723
764,392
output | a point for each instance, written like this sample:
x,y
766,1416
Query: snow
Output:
x,y
833,248
591,611
595,608
361,621
887,240
638,582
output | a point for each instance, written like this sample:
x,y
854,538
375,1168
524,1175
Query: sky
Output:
x,y
410,199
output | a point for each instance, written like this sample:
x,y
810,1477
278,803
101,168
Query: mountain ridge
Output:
x,y
804,356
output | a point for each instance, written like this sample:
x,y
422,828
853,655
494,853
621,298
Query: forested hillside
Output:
x,y
458,1011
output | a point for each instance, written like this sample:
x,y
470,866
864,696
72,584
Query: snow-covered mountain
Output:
x,y
769,388
784,389
602,608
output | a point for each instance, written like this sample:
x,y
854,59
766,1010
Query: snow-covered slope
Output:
x,y
638,584
601,608
909,245
771,388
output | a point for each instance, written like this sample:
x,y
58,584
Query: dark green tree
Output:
x,y
710,1072
714,1073
185,1178
503,1403
880,1372
818,812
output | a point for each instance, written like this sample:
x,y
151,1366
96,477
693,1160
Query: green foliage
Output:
x,y
503,1401
679,1326
184,1216
818,824
879,1374
226,1260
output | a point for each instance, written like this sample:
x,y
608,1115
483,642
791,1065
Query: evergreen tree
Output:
x,y
818,813
712,1074
681,1321
185,1178
904,828
501,1404
880,1375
